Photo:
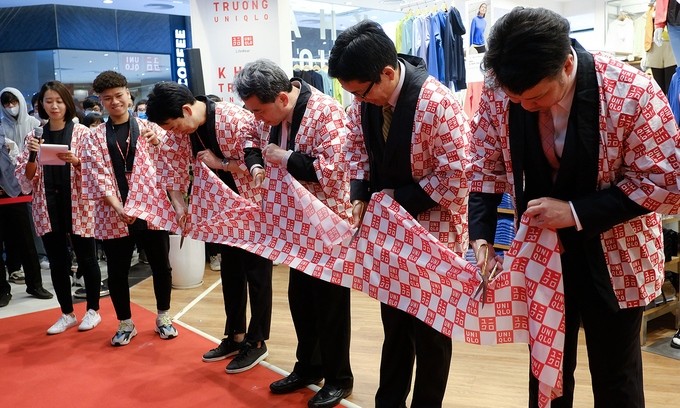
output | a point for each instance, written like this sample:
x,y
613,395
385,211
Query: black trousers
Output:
x,y
57,247
15,227
407,339
663,77
244,273
12,248
613,345
118,257
321,316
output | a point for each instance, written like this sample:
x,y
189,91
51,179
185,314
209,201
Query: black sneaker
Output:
x,y
142,257
4,299
104,289
17,277
40,293
247,358
227,348
82,293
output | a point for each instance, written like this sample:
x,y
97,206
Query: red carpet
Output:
x,y
81,369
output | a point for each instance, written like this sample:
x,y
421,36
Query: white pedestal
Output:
x,y
188,263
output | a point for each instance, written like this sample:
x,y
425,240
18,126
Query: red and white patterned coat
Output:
x,y
638,139
232,125
439,143
81,208
148,192
322,134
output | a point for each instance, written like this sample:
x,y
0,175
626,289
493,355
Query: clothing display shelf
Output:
x,y
670,306
620,19
505,226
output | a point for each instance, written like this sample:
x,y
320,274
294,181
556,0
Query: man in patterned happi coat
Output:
x,y
587,145
408,139
305,130
119,171
214,133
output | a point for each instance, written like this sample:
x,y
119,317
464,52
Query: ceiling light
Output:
x,y
108,1
158,6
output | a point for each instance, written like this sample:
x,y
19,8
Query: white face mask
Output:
x,y
14,110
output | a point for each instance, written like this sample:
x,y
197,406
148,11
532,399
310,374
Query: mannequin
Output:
x,y
659,56
666,16
477,28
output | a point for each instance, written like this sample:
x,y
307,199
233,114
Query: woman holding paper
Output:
x,y
61,216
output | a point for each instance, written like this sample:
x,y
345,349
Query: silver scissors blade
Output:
x,y
482,288
485,283
183,225
355,235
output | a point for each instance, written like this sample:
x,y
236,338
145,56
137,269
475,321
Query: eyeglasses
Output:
x,y
363,96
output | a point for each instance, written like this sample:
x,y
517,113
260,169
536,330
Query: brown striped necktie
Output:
x,y
387,120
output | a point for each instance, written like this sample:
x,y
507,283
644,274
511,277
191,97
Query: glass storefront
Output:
x,y
316,25
77,69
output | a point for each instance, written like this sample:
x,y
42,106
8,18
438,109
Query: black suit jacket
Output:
x,y
390,160
583,260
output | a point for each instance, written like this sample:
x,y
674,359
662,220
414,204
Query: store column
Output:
x,y
233,33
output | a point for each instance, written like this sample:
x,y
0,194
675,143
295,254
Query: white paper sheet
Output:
x,y
48,154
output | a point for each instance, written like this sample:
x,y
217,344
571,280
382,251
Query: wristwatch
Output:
x,y
225,164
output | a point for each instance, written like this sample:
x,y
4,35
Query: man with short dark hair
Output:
x,y
587,145
305,130
119,158
408,139
214,133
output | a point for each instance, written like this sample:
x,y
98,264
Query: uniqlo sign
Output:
x,y
153,64
244,41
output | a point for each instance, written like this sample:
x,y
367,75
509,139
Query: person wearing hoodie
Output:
x,y
15,227
16,122
16,125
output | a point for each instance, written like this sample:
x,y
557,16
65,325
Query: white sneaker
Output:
x,y
164,327
216,262
90,320
64,322
44,264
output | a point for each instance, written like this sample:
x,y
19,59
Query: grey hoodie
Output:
x,y
16,129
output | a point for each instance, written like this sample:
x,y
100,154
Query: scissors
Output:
x,y
182,225
363,212
485,278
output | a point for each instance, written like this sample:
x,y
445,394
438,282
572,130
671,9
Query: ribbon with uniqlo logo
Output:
x,y
398,262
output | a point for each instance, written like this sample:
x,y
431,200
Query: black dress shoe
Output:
x,y
328,396
4,299
291,383
40,293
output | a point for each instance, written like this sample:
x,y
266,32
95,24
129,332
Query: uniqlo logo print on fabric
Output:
x,y
398,262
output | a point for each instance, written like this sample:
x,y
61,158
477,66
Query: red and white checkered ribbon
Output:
x,y
398,262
